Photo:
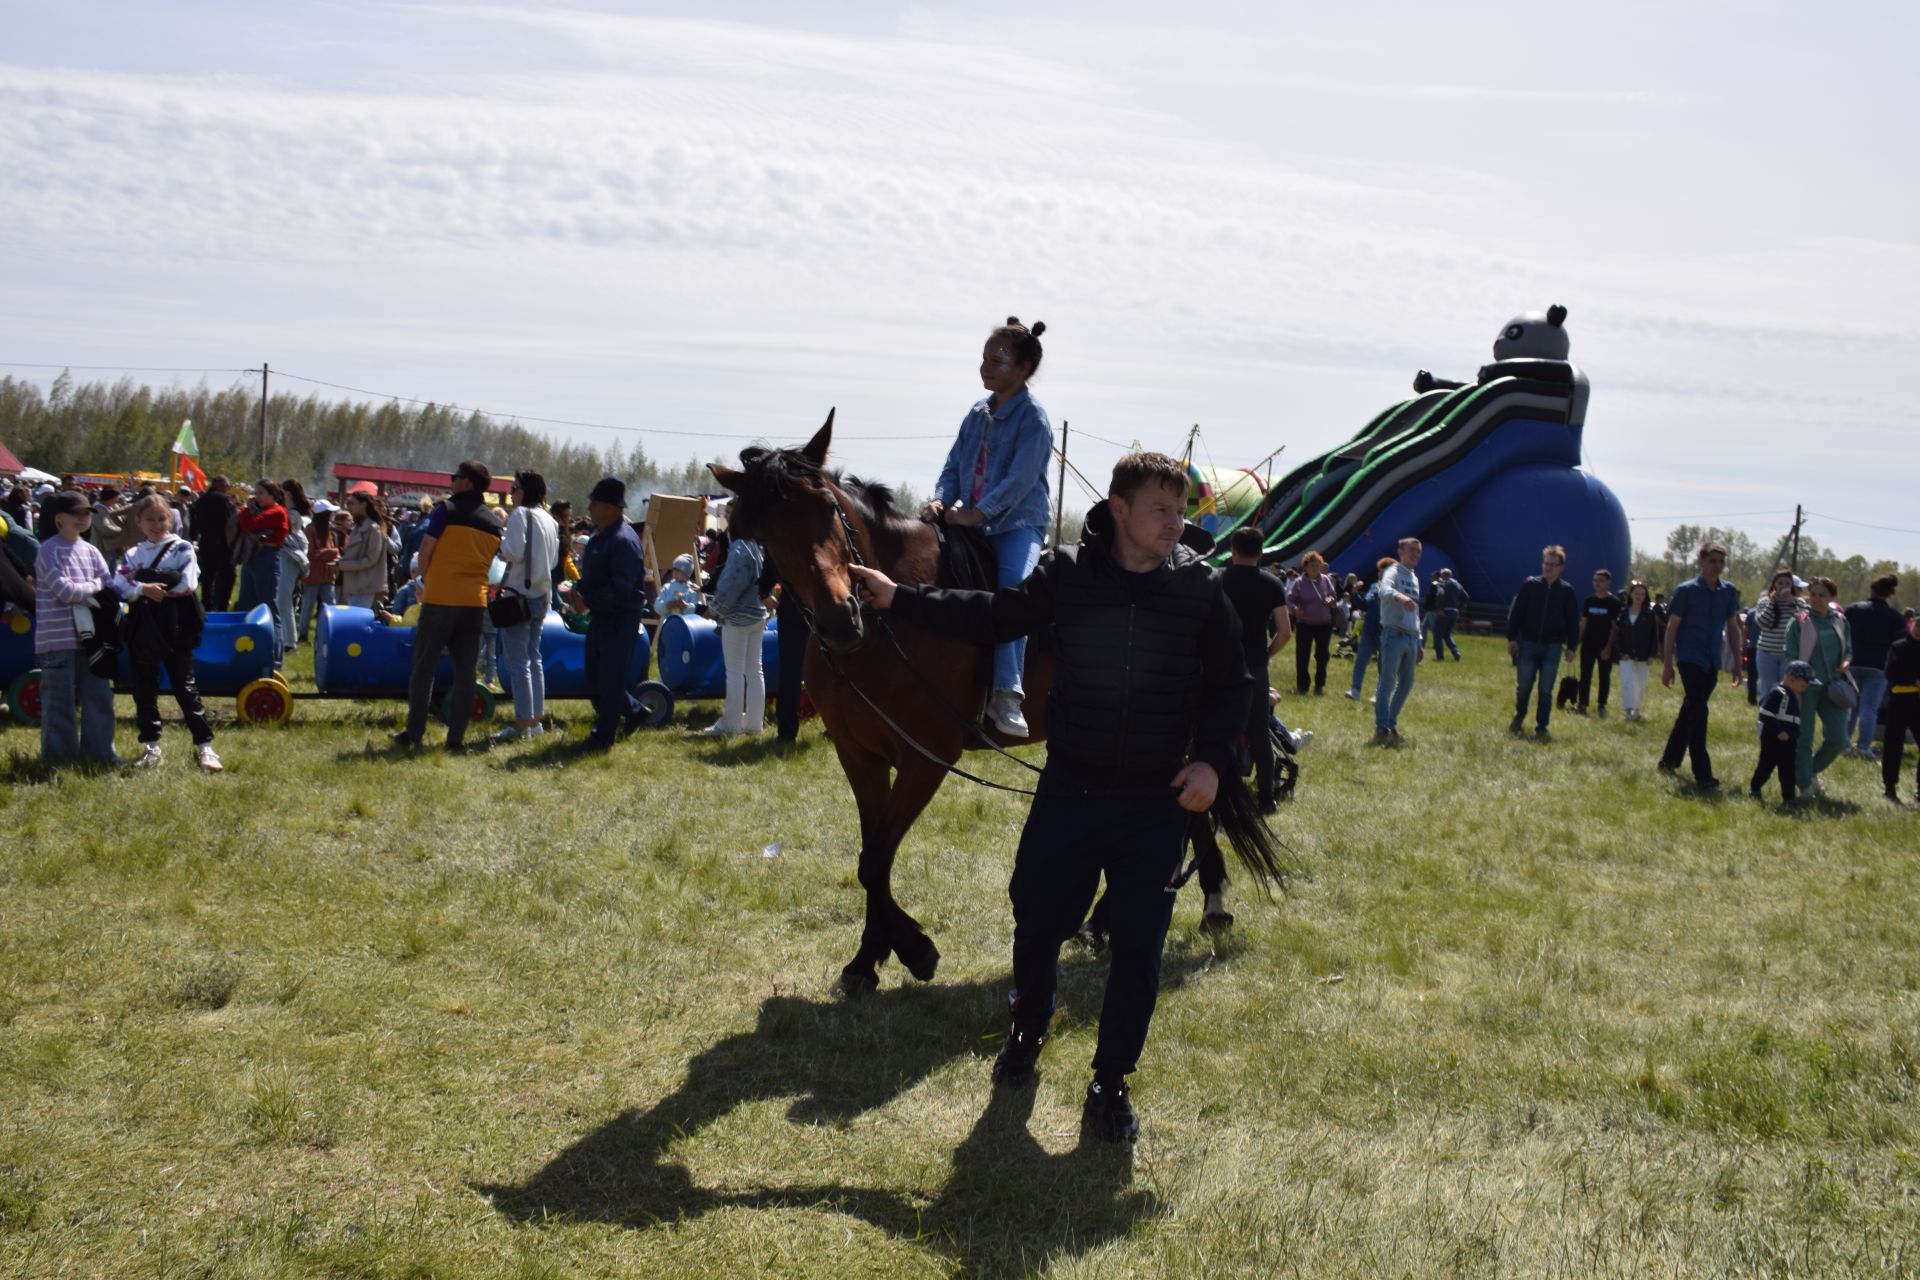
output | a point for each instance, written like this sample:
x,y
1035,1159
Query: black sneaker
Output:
x,y
1540,732
1013,1068
405,741
1518,724
1109,1110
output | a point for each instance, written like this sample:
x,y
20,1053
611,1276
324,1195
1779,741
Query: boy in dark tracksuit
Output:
x,y
1780,730
1903,711
1150,693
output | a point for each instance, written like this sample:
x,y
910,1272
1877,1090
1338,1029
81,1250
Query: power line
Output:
x,y
1884,528
115,368
562,422
1723,515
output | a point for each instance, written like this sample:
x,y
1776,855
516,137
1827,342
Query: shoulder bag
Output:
x,y
510,609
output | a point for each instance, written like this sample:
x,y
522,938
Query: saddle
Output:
x,y
967,562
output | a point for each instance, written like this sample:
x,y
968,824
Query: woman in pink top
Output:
x,y
1310,597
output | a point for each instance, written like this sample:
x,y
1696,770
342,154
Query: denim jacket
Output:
x,y
736,597
1019,445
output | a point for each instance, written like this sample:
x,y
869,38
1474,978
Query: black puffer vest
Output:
x,y
1128,675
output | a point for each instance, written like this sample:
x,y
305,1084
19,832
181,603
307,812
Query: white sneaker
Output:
x,y
149,756
507,735
1351,696
204,757
1815,789
1003,711
1301,738
718,729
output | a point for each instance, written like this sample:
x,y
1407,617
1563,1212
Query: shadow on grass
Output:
x,y
1007,1205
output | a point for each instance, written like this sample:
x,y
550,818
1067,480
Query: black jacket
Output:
x,y
1903,662
210,514
1639,640
1544,613
1875,625
1147,664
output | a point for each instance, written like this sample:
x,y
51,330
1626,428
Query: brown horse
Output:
x,y
812,523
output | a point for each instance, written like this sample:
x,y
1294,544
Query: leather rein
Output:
x,y
886,628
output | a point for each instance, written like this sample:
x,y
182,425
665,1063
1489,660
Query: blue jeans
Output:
x,y
1443,621
312,596
260,584
1018,551
67,685
361,601
288,596
521,666
1540,663
1770,666
1363,653
1865,715
1399,651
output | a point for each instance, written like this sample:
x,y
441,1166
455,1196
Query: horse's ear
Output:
x,y
816,448
729,479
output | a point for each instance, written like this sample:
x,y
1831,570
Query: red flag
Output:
x,y
192,476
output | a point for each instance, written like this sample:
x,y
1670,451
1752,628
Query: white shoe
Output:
x,y
718,729
204,757
1351,696
1815,789
507,735
1003,711
1302,738
149,756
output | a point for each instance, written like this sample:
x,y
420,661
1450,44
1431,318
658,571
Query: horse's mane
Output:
x,y
769,476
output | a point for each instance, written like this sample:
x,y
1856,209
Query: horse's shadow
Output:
x,y
1007,1203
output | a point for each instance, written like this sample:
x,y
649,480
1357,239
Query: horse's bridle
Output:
x,y
880,620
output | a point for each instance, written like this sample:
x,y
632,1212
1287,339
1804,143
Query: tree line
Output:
x,y
1751,564
121,425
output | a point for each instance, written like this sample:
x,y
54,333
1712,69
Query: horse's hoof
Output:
x,y
920,957
1090,941
1216,922
855,983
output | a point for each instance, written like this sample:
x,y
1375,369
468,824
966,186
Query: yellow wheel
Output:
x,y
264,702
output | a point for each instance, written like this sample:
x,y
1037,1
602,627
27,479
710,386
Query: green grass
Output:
x,y
1530,1010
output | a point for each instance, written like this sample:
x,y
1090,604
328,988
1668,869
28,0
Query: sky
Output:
x,y
708,223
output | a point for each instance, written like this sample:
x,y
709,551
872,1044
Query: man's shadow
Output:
x,y
1008,1204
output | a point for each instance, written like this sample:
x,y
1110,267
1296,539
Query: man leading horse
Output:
x,y
1150,695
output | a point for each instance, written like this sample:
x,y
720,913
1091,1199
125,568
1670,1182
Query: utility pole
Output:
x,y
1060,489
1797,517
263,417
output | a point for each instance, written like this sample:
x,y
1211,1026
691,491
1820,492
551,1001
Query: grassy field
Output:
x,y
1532,1010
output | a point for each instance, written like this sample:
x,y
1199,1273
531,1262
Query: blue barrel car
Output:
x,y
691,665
356,656
233,659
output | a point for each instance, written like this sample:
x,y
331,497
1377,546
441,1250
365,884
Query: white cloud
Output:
x,y
688,222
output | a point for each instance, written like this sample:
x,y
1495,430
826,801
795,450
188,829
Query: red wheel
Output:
x,y
23,697
264,702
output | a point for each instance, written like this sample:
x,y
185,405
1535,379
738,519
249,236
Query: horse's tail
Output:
x,y
1238,815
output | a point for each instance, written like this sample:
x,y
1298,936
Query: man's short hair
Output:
x,y
1711,548
219,484
1554,552
1137,469
1408,542
1245,542
476,474
1885,585
1604,573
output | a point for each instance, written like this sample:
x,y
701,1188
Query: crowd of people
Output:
x,y
1115,798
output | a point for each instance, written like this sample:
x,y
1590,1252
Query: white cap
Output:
x,y
322,507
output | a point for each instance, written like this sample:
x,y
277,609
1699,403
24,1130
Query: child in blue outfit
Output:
x,y
1780,730
679,595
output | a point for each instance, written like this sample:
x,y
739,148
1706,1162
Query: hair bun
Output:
x,y
1012,320
1039,327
